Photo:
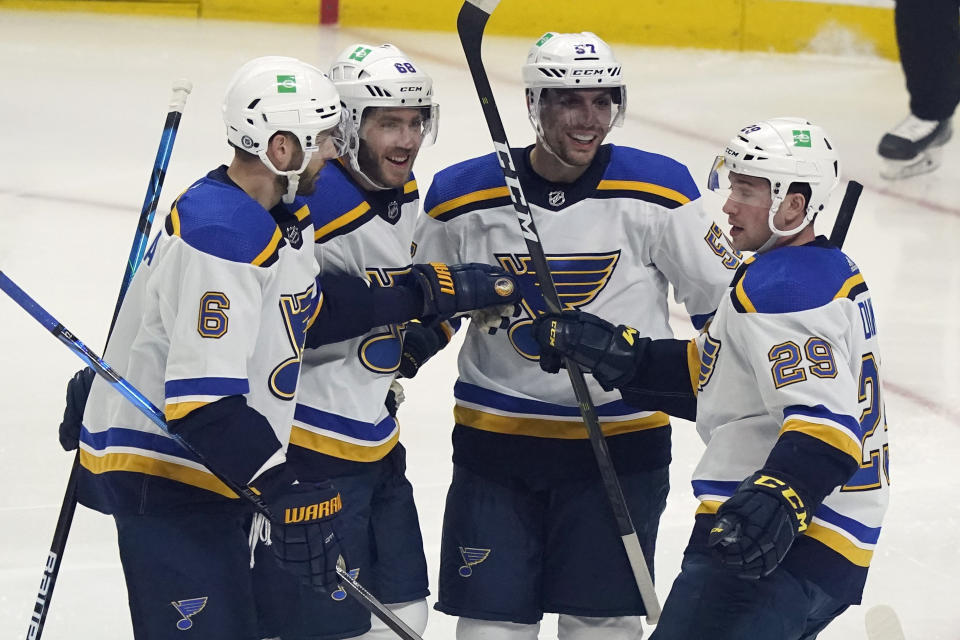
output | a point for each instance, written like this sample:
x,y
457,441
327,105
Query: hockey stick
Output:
x,y
882,623
471,23
51,570
148,409
845,215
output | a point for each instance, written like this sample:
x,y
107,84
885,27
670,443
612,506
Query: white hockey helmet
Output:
x,y
572,61
381,76
783,151
276,93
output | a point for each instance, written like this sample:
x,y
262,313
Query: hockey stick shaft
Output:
x,y
51,570
845,215
156,416
471,23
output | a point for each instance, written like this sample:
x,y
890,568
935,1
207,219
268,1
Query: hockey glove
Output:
x,y
611,353
394,399
77,391
757,525
458,288
301,533
420,343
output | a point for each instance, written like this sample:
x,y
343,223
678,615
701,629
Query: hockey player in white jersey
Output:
x,y
527,527
345,427
211,330
785,387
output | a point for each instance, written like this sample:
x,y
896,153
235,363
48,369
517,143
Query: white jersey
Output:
x,y
340,407
615,239
793,353
219,307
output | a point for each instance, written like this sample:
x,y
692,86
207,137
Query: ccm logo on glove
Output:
x,y
790,495
312,512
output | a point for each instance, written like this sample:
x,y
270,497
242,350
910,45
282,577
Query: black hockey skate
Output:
x,y
913,147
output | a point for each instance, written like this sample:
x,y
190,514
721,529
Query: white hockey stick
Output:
x,y
883,624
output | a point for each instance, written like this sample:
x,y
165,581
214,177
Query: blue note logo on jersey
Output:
x,y
579,277
381,349
340,595
188,608
708,360
472,556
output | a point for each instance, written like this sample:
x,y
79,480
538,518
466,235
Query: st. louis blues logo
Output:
x,y
579,277
188,608
708,360
340,594
471,556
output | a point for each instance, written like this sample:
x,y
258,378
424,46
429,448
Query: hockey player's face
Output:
x,y
390,140
575,122
748,209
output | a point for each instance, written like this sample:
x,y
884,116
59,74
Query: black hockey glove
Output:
x,y
77,391
302,535
420,343
458,288
757,525
611,353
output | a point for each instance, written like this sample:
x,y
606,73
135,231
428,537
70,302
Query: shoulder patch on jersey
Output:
x,y
223,221
642,175
337,205
474,184
795,279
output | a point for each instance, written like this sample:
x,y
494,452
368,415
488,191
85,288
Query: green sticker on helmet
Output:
x,y
286,84
801,138
359,54
543,40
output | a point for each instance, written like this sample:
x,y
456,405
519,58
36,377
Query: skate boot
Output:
x,y
913,147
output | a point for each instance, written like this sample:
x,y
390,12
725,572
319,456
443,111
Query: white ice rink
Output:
x,y
81,110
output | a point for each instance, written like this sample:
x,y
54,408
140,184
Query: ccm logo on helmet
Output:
x,y
417,89
587,72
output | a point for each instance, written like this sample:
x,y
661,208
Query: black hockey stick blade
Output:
x,y
845,215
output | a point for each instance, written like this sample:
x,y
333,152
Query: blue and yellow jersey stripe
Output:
x,y
341,437
186,395
835,430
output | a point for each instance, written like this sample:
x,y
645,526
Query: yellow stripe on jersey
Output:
x,y
134,463
302,212
339,449
177,410
693,365
546,428
476,196
175,220
316,311
645,187
743,298
709,507
840,543
825,433
410,186
343,220
269,249
851,282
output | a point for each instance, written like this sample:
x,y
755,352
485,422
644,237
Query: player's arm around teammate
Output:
x,y
794,481
345,426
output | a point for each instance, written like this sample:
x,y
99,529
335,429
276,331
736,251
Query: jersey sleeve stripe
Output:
x,y
178,410
221,387
410,186
644,187
470,198
853,286
839,543
693,365
342,221
342,449
270,249
133,463
830,433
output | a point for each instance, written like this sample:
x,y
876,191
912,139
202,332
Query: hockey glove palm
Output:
x,y
302,535
77,391
611,353
458,288
757,525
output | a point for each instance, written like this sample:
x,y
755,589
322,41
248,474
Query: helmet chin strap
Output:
x,y
353,152
293,177
775,233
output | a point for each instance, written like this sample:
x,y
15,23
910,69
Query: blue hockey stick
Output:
x,y
51,570
150,410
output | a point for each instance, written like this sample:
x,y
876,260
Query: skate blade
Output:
x,y
925,162
883,624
